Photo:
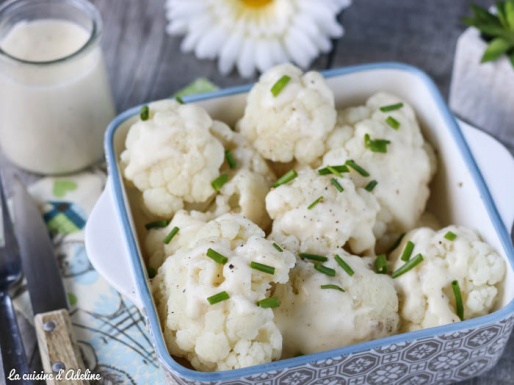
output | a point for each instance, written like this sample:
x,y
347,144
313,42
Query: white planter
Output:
x,y
483,94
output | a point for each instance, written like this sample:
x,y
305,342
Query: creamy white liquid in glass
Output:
x,y
55,101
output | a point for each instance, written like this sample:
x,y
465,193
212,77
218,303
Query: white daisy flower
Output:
x,y
255,34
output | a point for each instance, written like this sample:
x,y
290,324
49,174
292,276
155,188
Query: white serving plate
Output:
x,y
459,195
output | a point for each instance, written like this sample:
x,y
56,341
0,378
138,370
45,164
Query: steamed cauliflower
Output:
x,y
249,181
313,319
403,172
172,157
294,124
189,224
338,218
425,292
233,333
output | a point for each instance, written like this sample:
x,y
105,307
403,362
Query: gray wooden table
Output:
x,y
146,64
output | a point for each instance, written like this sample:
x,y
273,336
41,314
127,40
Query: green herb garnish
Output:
x,y
286,178
371,185
381,264
334,171
171,234
216,257
346,267
220,297
325,270
261,267
179,100
145,113
313,257
327,171
277,247
230,159
391,107
336,184
408,266
157,224
496,28
335,287
393,123
396,243
152,272
268,303
376,145
356,167
313,204
219,182
407,251
279,85
451,236
458,299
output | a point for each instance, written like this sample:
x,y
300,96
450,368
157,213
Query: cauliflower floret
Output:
x,y
402,173
294,124
233,333
249,181
313,319
189,224
337,218
172,157
425,292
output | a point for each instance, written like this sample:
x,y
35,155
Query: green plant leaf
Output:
x,y
483,15
509,14
493,31
511,57
495,49
500,7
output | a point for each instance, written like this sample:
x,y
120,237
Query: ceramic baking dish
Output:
x,y
459,195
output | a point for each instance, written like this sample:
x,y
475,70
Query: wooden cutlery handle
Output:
x,y
59,350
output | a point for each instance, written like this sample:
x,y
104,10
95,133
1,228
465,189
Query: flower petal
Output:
x,y
229,53
246,59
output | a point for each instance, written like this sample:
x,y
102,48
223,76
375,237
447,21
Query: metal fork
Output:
x,y
11,344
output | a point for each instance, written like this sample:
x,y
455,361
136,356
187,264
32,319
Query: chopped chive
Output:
x,y
262,267
335,287
458,299
216,257
451,236
179,99
277,247
230,159
371,185
357,168
396,243
171,234
391,107
313,204
145,113
268,303
286,178
152,272
279,85
408,266
334,171
393,123
157,224
313,257
407,252
381,264
220,297
219,182
339,169
376,145
346,267
337,184
325,270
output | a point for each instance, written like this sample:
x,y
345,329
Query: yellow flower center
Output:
x,y
256,3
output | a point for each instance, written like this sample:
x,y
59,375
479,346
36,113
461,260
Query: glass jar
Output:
x,y
55,100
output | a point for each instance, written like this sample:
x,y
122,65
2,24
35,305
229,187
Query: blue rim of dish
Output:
x,y
145,294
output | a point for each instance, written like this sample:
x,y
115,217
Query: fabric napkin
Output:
x,y
110,330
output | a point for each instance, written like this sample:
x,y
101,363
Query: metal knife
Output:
x,y
59,351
